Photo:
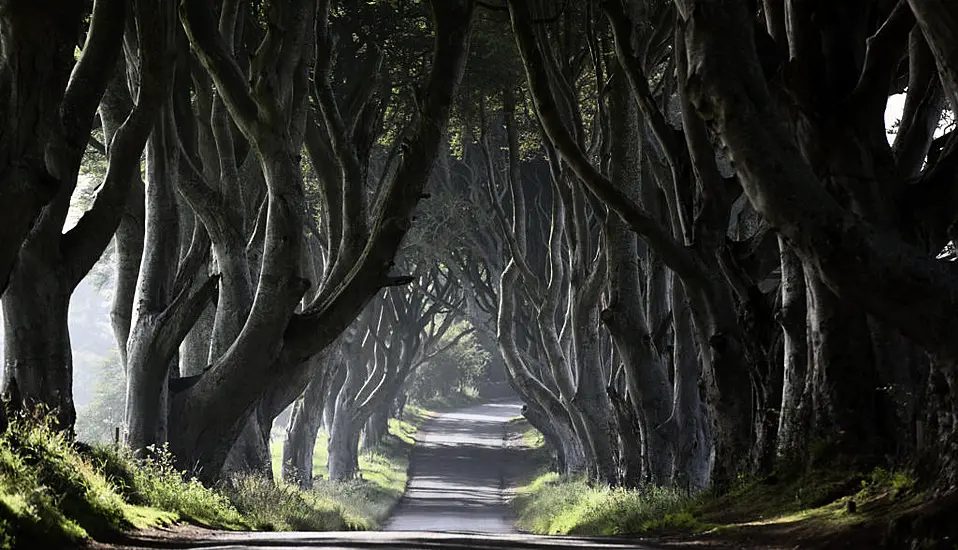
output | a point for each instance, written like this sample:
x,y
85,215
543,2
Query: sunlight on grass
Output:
x,y
156,482
553,505
55,492
367,501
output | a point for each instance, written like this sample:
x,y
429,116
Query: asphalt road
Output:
x,y
457,498
459,471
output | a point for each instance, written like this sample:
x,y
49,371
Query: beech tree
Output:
x,y
51,263
275,342
850,232
766,403
678,226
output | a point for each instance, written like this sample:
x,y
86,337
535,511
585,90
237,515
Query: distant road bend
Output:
x,y
456,499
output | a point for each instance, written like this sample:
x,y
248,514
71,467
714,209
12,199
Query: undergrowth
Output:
x,y
54,495
557,505
155,481
368,500
269,506
57,493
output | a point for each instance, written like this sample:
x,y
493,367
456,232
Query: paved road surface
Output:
x,y
459,468
456,499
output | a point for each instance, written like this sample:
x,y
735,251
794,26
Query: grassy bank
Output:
x,y
879,508
555,505
54,492
549,504
366,501
57,493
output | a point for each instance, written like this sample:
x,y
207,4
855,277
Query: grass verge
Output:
x,y
879,509
57,493
53,495
367,501
556,505
549,504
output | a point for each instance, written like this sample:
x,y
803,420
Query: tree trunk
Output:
x,y
633,454
693,448
539,420
843,390
793,422
625,318
377,426
591,397
39,40
344,433
37,354
195,350
573,448
250,453
303,428
150,352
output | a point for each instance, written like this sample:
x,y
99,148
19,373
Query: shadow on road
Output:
x,y
455,499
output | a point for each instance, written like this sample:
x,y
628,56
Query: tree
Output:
x,y
264,362
864,259
52,263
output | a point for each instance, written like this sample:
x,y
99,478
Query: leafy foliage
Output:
x,y
457,370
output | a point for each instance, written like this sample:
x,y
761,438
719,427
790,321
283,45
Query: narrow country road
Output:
x,y
456,499
459,468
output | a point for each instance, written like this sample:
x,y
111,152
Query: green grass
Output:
x,y
555,505
550,504
531,437
156,483
367,501
805,506
269,506
53,494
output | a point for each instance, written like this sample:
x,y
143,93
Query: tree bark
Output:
x,y
273,339
39,40
793,422
869,268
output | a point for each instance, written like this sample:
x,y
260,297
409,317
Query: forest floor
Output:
x,y
824,510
